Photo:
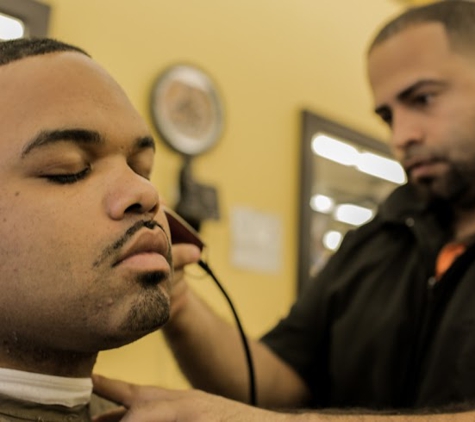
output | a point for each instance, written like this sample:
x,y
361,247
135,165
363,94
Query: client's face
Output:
x,y
85,255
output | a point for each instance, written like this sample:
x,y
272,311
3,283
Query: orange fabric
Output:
x,y
447,256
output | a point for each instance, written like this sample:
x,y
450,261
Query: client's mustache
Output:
x,y
117,245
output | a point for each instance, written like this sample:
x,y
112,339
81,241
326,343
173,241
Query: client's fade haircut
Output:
x,y
25,47
456,16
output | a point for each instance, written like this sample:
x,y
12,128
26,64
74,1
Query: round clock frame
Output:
x,y
186,109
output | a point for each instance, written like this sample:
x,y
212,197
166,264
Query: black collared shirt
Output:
x,y
372,331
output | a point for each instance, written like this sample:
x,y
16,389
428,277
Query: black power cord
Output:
x,y
247,350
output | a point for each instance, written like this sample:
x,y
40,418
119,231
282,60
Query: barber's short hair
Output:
x,y
457,17
25,47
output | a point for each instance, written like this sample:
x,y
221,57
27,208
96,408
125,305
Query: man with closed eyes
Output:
x,y
85,256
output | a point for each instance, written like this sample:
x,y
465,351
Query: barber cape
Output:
x,y
18,410
26,396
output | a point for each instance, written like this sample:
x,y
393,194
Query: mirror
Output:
x,y
23,18
344,176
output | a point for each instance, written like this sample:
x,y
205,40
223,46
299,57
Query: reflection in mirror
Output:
x,y
344,176
11,28
23,18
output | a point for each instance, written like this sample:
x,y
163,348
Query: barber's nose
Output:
x,y
130,194
406,130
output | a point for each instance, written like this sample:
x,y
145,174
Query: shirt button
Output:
x,y
410,222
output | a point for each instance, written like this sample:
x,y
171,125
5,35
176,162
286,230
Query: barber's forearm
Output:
x,y
468,416
211,355
142,403
208,349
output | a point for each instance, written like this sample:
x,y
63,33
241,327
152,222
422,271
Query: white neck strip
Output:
x,y
45,389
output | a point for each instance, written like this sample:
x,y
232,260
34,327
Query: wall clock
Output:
x,y
186,109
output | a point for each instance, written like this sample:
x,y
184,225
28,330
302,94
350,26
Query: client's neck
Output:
x,y
61,364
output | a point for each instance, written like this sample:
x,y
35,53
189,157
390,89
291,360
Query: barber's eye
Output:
x,y
67,178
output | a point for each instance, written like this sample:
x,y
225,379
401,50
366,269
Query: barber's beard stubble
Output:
x,y
456,186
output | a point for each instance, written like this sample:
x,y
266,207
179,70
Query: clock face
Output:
x,y
186,110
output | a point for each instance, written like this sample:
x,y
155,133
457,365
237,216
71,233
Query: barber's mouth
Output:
x,y
425,169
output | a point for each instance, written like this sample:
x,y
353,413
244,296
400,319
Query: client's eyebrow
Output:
x,y
79,136
48,137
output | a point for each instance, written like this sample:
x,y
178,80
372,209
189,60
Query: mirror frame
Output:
x,y
311,124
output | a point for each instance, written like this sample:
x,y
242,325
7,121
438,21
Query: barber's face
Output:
x,y
425,92
84,249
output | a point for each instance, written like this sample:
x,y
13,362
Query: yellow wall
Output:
x,y
270,59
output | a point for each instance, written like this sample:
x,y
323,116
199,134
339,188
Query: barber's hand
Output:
x,y
147,404
183,254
